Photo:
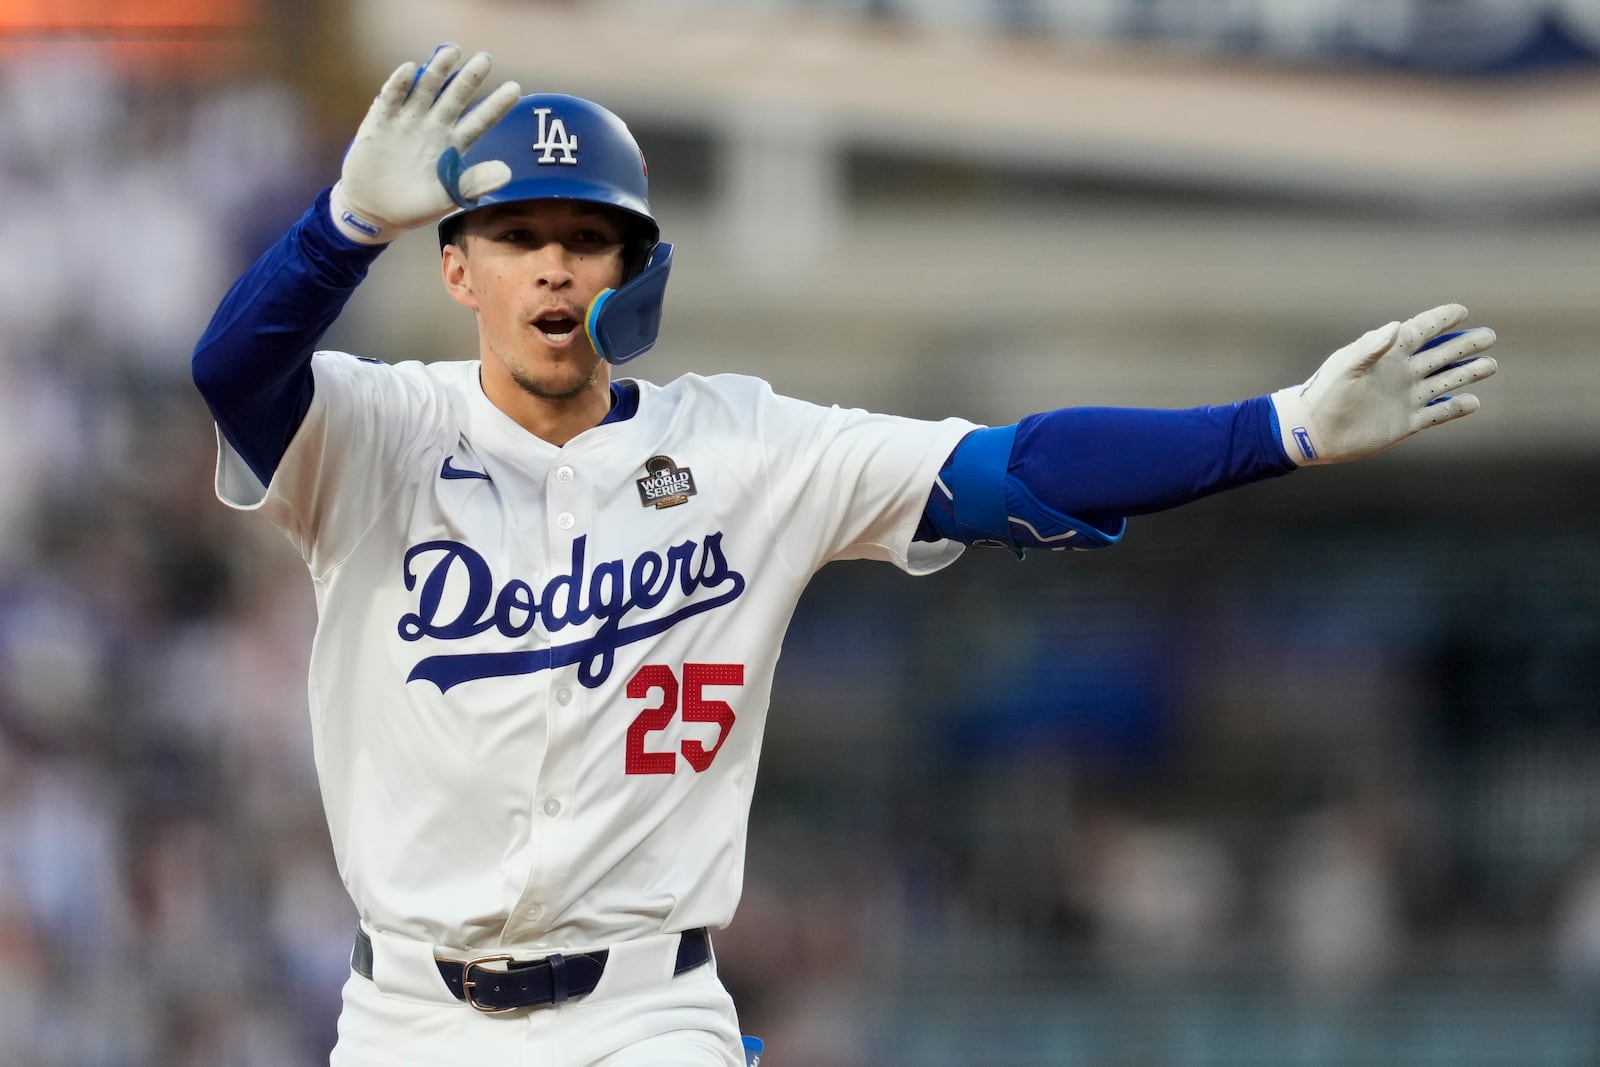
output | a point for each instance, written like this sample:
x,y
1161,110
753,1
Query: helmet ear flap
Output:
x,y
622,323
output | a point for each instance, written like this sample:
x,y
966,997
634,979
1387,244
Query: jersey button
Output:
x,y
534,913
563,474
563,697
565,520
552,807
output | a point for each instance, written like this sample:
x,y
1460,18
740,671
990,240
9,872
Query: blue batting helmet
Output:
x,y
563,147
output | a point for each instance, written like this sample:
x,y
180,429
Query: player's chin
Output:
x,y
562,377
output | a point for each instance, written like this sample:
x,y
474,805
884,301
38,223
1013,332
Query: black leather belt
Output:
x,y
531,983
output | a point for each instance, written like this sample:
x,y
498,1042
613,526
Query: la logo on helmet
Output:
x,y
554,138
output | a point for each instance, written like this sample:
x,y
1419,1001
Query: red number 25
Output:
x,y
696,708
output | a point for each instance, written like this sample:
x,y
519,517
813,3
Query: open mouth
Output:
x,y
555,326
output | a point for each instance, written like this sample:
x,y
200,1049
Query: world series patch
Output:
x,y
665,485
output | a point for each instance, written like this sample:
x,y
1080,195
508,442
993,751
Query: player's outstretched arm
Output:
x,y
1070,478
1385,386
391,178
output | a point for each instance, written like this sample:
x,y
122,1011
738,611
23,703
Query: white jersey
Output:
x,y
540,675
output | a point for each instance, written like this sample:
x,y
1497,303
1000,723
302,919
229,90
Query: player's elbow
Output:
x,y
205,371
222,377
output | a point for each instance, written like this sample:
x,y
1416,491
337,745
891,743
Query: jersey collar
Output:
x,y
624,401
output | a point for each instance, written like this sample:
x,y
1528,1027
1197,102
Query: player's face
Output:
x,y
530,270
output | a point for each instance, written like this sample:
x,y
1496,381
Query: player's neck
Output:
x,y
553,419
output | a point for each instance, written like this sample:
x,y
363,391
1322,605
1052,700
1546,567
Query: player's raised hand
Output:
x,y
1385,386
391,181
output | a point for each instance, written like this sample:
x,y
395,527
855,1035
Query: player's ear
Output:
x,y
457,276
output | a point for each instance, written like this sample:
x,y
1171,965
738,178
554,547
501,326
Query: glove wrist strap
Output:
x,y
355,225
1295,427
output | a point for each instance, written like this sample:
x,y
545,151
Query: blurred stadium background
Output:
x,y
1308,774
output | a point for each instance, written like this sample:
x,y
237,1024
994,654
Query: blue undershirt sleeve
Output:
x,y
1074,476
253,363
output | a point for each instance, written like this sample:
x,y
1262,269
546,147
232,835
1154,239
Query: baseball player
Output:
x,y
550,601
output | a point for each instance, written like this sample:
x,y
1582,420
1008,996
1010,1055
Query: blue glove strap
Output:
x,y
1435,343
449,171
977,483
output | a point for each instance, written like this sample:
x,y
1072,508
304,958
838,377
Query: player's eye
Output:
x,y
592,240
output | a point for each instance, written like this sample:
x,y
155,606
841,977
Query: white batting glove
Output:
x,y
390,182
1383,387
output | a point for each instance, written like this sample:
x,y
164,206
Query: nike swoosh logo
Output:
x,y
449,470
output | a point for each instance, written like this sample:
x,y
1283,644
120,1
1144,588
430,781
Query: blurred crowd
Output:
x,y
1278,743
1331,768
166,895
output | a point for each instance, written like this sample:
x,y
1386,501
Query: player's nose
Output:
x,y
553,270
